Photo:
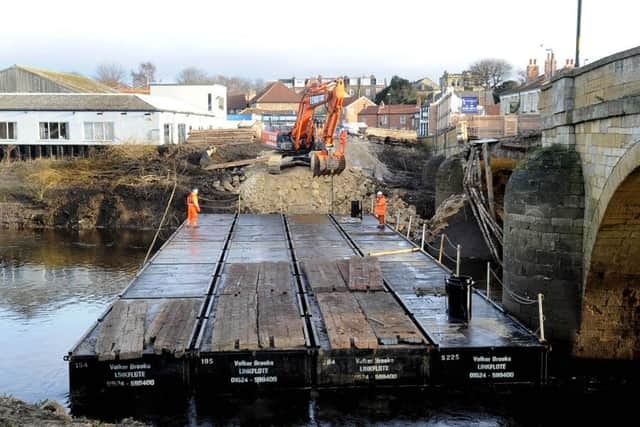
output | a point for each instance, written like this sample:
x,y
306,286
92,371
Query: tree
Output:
x,y
193,75
111,74
146,74
492,71
399,91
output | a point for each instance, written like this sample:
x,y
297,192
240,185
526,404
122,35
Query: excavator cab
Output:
x,y
306,144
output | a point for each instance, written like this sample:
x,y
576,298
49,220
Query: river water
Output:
x,y
54,284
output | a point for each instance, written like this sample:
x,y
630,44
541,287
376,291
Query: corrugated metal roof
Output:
x,y
74,82
92,102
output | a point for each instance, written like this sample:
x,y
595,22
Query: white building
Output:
x,y
67,119
523,99
209,98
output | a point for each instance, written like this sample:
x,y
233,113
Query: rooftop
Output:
x,y
92,102
276,92
73,82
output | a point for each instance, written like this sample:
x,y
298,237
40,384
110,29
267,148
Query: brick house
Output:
x,y
391,116
237,102
353,106
276,97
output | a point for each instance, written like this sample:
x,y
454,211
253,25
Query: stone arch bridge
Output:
x,y
572,224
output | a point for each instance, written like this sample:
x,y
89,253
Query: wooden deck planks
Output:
x,y
235,326
387,319
365,274
171,329
346,324
122,331
323,275
241,277
257,309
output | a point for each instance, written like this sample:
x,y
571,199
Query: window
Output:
x,y
403,120
8,130
220,102
383,120
167,134
209,101
367,92
54,130
98,131
182,133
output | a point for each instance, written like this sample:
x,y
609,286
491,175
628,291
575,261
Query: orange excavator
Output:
x,y
306,144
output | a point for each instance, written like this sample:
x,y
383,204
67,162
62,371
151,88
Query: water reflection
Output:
x,y
53,286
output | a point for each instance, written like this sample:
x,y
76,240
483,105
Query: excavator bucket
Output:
x,y
327,162
324,163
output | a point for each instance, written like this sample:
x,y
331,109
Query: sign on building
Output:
x,y
469,105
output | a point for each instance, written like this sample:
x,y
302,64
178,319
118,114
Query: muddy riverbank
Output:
x,y
116,187
14,412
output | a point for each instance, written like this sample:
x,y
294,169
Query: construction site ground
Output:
x,y
129,186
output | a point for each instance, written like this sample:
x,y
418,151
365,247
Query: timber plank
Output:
x,y
365,274
171,330
387,319
257,308
279,322
275,276
122,332
346,324
241,277
323,275
235,326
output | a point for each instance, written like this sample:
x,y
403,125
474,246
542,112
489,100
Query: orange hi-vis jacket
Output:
x,y
192,200
381,206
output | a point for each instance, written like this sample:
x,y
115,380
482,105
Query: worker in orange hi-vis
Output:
x,y
193,207
381,209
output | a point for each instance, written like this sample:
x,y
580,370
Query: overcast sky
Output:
x,y
275,39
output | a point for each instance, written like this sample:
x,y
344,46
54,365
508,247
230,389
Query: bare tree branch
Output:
x,y
111,74
145,75
193,75
492,71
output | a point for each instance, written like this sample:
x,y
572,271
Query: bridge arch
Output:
x,y
610,321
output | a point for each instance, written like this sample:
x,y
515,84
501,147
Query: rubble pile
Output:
x,y
294,191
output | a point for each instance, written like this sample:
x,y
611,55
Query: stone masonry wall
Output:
x,y
596,109
428,178
542,252
449,179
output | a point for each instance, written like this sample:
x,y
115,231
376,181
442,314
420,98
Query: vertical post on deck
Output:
x,y
409,227
540,298
458,261
441,248
424,227
397,221
488,279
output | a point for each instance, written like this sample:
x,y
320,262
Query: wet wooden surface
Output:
x,y
123,331
347,326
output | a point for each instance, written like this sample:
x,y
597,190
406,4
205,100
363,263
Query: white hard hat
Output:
x,y
379,193
195,190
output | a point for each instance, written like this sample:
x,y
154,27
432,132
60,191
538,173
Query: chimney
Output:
x,y
569,64
550,65
533,71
